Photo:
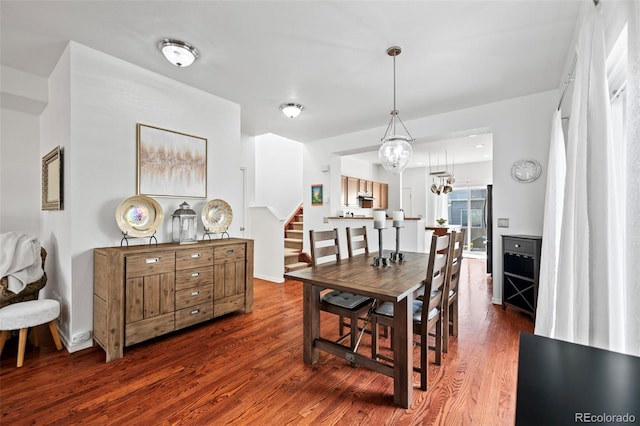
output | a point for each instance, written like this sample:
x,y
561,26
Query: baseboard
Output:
x,y
278,280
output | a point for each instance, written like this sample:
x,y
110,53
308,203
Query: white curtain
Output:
x,y
632,177
556,172
592,297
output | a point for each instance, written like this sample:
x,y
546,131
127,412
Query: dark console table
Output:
x,y
561,383
521,266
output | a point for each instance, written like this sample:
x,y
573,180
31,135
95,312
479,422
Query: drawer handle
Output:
x,y
195,255
195,293
152,260
195,274
231,251
195,311
517,245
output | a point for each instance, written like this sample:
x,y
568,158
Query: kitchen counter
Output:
x,y
367,218
412,233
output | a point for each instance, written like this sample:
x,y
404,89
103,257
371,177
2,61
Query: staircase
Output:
x,y
294,258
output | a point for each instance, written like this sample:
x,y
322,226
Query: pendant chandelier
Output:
x,y
395,151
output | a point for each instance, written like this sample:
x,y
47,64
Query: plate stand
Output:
x,y
208,234
126,238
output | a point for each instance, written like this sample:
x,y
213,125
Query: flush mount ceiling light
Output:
x,y
178,52
291,110
395,151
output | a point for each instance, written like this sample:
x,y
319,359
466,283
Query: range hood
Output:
x,y
366,197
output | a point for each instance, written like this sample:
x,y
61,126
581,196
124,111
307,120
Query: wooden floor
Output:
x,y
248,369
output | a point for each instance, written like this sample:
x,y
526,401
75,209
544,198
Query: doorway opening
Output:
x,y
467,209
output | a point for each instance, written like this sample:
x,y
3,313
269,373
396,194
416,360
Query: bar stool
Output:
x,y
24,315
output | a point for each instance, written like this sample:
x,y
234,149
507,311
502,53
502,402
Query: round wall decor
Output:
x,y
526,170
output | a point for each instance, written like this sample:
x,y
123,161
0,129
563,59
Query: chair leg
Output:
x,y
4,335
439,341
354,330
55,335
34,337
424,366
445,332
374,337
22,343
454,316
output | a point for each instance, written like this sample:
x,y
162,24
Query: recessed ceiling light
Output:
x,y
480,145
178,52
291,110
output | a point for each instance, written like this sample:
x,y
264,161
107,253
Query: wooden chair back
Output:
x,y
357,240
436,277
324,244
455,261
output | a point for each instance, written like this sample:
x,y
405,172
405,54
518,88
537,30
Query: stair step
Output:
x,y
294,243
294,233
297,225
295,266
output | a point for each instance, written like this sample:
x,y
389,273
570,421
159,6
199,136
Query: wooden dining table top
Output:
x,y
358,275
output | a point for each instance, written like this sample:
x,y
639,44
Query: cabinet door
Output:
x,y
376,194
384,196
344,200
149,306
229,279
353,184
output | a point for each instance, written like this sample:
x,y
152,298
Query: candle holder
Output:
x,y
397,256
398,222
380,260
380,223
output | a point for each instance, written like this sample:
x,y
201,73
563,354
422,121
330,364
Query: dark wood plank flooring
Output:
x,y
248,369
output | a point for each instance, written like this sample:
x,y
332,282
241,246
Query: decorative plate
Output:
x,y
217,216
526,170
139,216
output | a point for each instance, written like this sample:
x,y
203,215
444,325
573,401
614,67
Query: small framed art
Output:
x,y
52,180
316,195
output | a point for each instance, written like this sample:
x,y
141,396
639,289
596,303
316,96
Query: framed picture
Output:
x,y
316,195
171,164
52,182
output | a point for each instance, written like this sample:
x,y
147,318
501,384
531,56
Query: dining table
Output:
x,y
396,283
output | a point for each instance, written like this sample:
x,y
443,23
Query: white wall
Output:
x,y
95,102
278,170
19,180
520,129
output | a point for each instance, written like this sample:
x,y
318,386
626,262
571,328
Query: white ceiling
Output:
x,y
328,55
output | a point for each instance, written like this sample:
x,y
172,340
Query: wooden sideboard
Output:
x,y
144,291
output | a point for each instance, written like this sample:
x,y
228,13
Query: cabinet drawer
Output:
x,y
150,264
229,253
194,257
194,315
519,246
194,296
188,278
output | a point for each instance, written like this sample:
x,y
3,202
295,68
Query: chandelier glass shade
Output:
x,y
396,150
177,52
291,110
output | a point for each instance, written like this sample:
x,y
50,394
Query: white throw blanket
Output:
x,y
20,260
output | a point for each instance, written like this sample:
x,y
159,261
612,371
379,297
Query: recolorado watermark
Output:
x,y
604,418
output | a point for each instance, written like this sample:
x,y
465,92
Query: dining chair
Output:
x,y
427,310
357,240
325,245
450,304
